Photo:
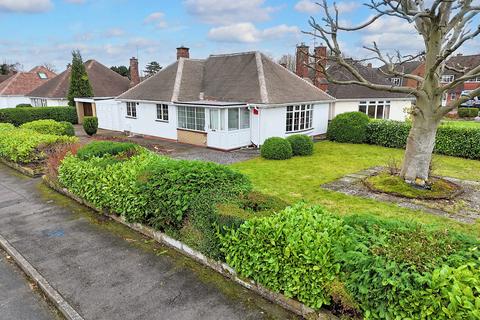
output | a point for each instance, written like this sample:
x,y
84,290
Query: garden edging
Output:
x,y
220,267
33,173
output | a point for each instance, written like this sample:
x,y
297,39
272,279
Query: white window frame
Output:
x,y
162,112
396,81
473,80
299,118
196,120
42,75
448,78
39,102
132,110
375,104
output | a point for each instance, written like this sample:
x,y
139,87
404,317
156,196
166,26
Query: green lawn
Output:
x,y
300,178
462,124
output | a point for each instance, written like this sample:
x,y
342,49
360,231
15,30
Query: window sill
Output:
x,y
158,120
191,130
128,117
299,131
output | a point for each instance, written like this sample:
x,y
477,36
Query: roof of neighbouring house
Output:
x,y
406,67
248,77
469,62
354,91
4,77
104,82
21,83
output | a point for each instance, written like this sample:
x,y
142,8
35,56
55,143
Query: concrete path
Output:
x,y
106,271
17,299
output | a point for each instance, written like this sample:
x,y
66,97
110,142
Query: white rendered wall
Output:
x,y
109,115
12,101
397,108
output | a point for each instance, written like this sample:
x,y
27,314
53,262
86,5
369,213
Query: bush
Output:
x,y
90,125
50,127
290,252
468,112
103,148
276,148
302,145
388,133
24,105
19,116
350,127
26,146
6,127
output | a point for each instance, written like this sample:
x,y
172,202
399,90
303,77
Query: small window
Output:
x,y
42,75
38,102
162,112
132,109
447,78
396,81
192,118
244,118
233,119
453,96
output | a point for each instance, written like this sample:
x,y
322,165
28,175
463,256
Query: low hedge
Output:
x,y
19,116
276,148
348,127
103,148
468,112
382,269
26,146
48,126
302,145
24,105
450,140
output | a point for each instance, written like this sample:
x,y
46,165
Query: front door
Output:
x,y
87,109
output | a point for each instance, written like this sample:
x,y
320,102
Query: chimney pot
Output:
x,y
183,52
134,74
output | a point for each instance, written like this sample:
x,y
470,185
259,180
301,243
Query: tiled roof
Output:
x,y
22,83
104,82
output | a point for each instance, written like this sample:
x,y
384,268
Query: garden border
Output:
x,y
220,267
33,173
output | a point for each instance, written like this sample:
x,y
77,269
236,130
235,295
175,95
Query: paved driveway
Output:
x,y
106,271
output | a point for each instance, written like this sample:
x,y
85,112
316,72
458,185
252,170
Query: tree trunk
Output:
x,y
420,144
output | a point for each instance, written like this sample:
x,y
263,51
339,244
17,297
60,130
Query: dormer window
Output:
x,y
396,81
42,75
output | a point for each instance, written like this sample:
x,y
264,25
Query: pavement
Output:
x,y
173,149
106,271
18,299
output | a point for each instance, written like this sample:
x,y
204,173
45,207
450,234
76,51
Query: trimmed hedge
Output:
x,y
276,148
50,127
468,112
26,146
383,269
90,125
19,116
102,148
302,145
348,127
6,127
24,105
450,140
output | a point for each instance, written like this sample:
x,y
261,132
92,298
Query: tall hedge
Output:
x,y
450,141
19,116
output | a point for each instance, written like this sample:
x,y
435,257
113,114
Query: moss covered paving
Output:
x,y
395,185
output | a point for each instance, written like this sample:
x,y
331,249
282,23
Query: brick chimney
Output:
x,y
134,74
302,61
320,63
183,52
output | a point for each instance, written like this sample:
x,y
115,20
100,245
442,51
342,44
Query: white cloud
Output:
x,y
226,12
114,32
347,6
157,19
25,6
246,32
76,1
307,6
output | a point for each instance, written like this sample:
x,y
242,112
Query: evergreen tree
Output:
x,y
152,68
121,70
79,83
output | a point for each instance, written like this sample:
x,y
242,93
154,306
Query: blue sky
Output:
x,y
34,32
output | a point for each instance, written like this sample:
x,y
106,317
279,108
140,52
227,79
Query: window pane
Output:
x,y
244,118
371,111
165,112
222,119
159,112
362,108
182,122
379,112
233,119
214,119
387,112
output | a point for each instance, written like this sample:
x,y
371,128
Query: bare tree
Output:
x,y
444,26
288,60
50,67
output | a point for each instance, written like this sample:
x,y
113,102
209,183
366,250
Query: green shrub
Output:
x,y
388,133
291,252
350,127
468,112
302,145
6,127
19,116
276,148
102,148
27,146
50,127
24,105
90,125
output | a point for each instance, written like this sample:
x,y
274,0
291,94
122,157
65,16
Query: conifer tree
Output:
x,y
79,83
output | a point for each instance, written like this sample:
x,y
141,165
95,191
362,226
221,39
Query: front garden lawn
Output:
x,y
462,124
300,178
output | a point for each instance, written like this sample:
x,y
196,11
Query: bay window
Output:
x,y
299,118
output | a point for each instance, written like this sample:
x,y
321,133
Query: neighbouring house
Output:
x,y
415,67
463,63
106,84
225,102
376,104
15,87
